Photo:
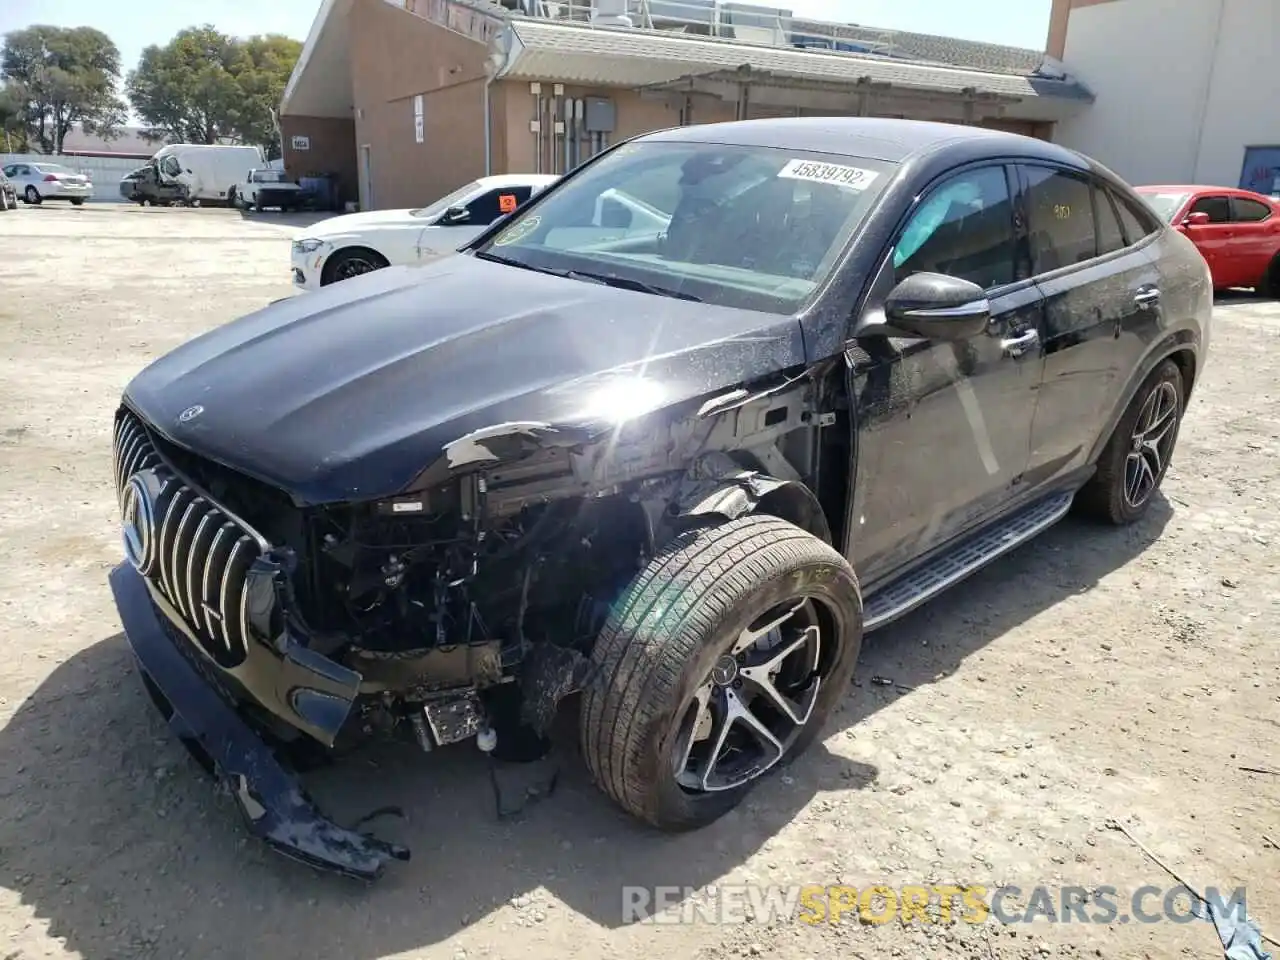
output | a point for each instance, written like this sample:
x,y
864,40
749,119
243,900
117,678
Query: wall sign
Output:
x,y
1261,172
300,143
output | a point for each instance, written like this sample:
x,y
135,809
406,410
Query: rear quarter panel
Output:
x,y
1183,327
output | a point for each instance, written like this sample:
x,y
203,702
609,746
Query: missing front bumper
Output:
x,y
273,803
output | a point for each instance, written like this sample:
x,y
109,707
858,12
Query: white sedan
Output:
x,y
343,247
35,182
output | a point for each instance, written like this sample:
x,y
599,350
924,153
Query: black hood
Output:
x,y
349,392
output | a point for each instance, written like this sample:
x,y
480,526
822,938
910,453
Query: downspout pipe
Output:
x,y
488,127
502,52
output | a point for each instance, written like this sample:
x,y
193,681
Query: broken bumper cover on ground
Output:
x,y
272,800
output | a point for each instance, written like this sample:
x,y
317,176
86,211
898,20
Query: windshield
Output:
x,y
270,176
447,201
1166,205
745,226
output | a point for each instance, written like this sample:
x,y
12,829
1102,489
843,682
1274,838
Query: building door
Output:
x,y
366,177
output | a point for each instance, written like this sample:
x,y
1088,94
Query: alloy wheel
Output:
x,y
1151,444
353,267
755,701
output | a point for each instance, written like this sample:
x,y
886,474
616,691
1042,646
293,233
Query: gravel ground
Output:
x,y
1093,676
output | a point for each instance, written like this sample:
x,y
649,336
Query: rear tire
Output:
x,y
1135,459
77,201
670,666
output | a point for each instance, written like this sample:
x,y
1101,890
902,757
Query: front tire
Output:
x,y
32,196
77,201
721,661
1135,459
354,262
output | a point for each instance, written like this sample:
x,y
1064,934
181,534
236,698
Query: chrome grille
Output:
x,y
194,551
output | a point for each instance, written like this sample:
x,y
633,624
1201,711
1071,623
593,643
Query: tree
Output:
x,y
186,90
62,76
206,87
13,118
263,73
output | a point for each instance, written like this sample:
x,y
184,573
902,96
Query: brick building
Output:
x,y
407,100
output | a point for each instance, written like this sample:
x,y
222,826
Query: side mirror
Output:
x,y
938,307
1197,219
455,215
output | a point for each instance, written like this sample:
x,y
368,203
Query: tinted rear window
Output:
x,y
1060,214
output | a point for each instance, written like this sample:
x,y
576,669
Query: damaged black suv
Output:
x,y
674,436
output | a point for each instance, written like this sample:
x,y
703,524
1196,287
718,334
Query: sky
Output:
x,y
1019,23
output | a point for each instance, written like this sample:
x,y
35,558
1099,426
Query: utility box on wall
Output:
x,y
602,117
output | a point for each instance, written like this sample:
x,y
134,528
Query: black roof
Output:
x,y
876,138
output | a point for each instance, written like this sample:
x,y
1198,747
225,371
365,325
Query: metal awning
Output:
x,y
646,59
757,90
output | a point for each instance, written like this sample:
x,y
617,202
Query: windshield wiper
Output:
x,y
627,283
604,279
508,262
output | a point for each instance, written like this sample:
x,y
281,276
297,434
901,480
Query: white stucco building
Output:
x,y
1187,91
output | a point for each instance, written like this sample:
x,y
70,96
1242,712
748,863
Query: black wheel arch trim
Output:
x,y
723,489
326,272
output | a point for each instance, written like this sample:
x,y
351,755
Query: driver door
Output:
x,y
944,428
444,236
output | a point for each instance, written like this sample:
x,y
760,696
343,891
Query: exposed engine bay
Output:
x,y
469,607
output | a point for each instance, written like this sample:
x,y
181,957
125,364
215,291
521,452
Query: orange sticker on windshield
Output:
x,y
506,202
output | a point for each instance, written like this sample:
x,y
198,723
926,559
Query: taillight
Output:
x,y
50,178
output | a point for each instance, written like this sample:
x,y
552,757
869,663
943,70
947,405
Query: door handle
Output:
x,y
1017,346
1146,299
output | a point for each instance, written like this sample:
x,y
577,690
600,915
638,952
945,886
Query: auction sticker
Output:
x,y
834,173
517,232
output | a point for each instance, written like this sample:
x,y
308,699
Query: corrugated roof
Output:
x,y
970,54
630,57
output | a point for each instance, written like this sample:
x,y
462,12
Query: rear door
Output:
x,y
1257,239
1099,293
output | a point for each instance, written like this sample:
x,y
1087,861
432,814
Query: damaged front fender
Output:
x,y
718,486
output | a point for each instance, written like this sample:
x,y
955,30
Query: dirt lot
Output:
x,y
1095,674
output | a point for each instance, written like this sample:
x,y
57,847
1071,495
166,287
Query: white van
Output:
x,y
207,171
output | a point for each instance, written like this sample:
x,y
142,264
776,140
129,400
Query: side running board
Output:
x,y
967,557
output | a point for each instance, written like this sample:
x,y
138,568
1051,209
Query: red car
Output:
x,y
1236,231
